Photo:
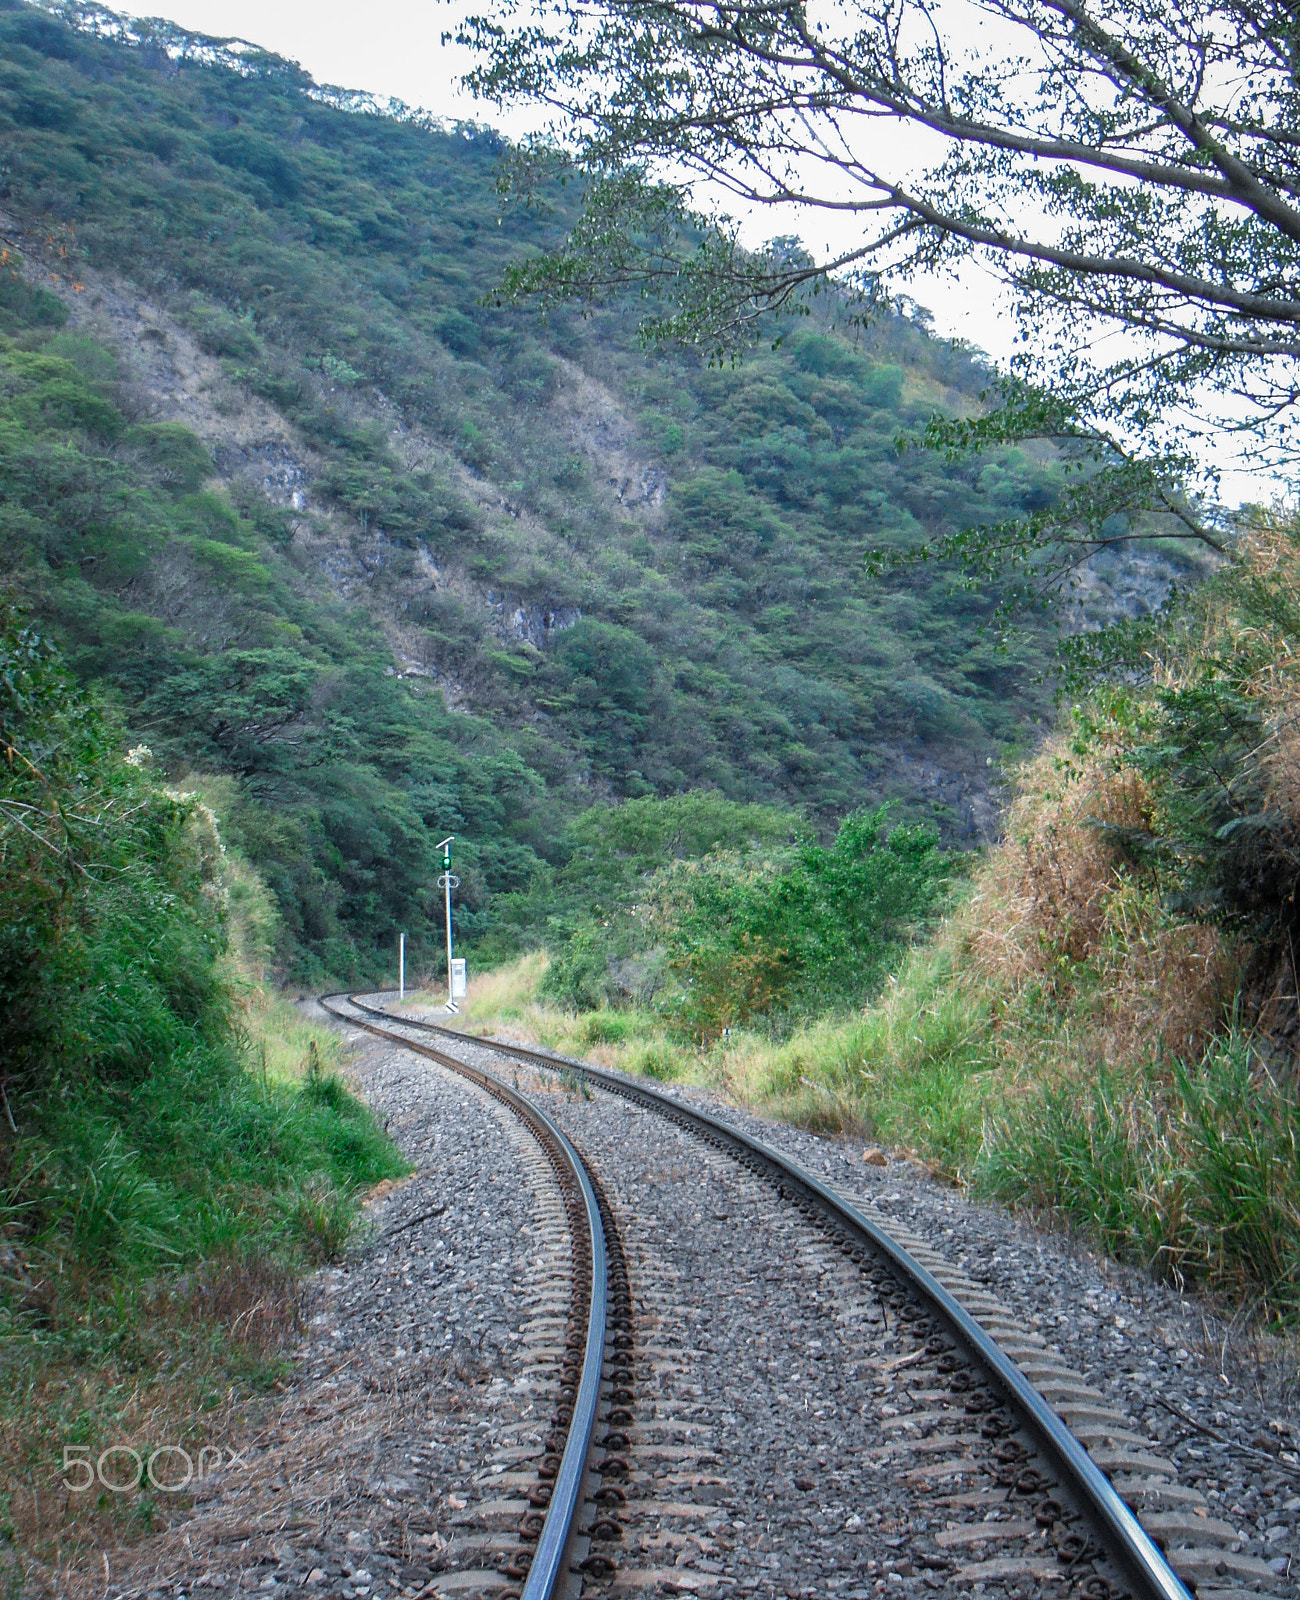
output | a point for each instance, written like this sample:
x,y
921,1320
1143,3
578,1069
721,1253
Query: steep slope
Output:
x,y
397,562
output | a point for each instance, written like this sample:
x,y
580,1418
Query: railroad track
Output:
x,y
979,1432
552,1543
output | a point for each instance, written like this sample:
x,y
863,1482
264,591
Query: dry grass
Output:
x,y
1062,932
282,1038
507,991
167,1382
1273,557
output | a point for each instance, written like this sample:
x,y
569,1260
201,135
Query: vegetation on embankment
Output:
x,y
176,1148
1189,1167
1102,1027
263,447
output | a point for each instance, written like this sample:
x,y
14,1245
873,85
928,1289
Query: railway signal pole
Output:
x,y
447,882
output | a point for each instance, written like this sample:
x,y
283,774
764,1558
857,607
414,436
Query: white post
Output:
x,y
448,883
401,966
447,862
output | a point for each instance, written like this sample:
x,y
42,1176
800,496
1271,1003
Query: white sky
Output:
x,y
393,47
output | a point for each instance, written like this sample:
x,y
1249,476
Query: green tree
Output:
x,y
615,848
806,933
1118,168
728,639
1160,141
608,677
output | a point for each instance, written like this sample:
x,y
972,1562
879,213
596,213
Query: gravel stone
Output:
x,y
415,1363
1165,1360
791,1434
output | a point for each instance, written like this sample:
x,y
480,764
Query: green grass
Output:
x,y
1190,1169
914,1069
166,1174
191,1161
164,1237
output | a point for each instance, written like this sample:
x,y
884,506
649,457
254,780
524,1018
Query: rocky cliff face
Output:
x,y
623,573
1131,582
169,378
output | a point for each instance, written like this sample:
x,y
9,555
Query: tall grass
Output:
x,y
1188,1167
1191,1169
192,1161
285,1045
166,1172
913,1070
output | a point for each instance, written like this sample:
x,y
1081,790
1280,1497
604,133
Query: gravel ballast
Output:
x,y
789,1438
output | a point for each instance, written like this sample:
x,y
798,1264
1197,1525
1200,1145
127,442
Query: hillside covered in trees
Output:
x,y
370,559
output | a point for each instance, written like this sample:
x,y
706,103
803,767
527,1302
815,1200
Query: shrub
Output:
x,y
176,457
24,304
218,333
108,938
816,930
141,1139
578,975
608,1027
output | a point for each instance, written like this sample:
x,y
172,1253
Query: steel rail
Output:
x,y
549,1572
1128,1543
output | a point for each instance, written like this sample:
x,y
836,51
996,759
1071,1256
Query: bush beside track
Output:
x,y
165,1178
1102,1029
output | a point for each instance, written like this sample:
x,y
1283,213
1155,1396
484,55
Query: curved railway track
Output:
x,y
976,1433
555,1542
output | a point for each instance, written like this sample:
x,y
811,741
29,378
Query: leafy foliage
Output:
x,y
718,915
813,934
158,1193
107,939
138,1137
704,623
1174,223
1204,713
596,907
1171,195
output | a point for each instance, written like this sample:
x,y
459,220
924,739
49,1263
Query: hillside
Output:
x,y
371,561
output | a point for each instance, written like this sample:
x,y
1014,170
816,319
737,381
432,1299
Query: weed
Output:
x,y
654,1058
322,1088
1192,1170
607,1027
321,1216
